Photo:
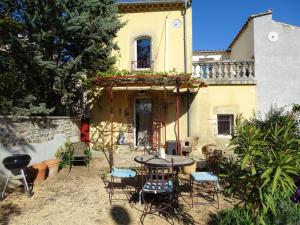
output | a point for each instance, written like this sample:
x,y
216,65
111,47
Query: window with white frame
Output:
x,y
225,124
143,53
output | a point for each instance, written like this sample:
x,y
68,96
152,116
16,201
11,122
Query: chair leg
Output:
x,y
192,190
6,183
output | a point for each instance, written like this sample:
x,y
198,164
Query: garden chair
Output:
x,y
81,153
160,185
123,175
210,177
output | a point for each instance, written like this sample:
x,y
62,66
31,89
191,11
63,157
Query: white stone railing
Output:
x,y
225,71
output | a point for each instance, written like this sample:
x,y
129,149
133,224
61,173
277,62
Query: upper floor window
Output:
x,y
143,53
225,124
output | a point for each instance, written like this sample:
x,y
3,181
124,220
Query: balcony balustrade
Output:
x,y
218,72
146,65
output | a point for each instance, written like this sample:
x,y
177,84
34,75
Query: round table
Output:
x,y
178,161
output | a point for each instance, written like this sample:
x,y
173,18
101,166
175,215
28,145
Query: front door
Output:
x,y
143,121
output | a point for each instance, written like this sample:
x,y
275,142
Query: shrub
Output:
x,y
286,213
64,153
236,216
267,161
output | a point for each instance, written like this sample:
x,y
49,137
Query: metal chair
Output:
x,y
81,153
123,174
210,177
160,183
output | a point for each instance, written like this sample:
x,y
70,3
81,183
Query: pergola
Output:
x,y
175,83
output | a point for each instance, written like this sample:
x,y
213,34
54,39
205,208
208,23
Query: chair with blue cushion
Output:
x,y
159,186
209,177
123,174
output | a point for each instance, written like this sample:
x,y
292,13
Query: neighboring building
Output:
x,y
154,108
275,49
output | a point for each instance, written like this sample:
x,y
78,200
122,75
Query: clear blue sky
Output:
x,y
216,22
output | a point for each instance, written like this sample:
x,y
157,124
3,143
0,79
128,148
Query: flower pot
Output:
x,y
37,172
190,169
53,165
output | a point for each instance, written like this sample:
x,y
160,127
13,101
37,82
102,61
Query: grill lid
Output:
x,y
16,161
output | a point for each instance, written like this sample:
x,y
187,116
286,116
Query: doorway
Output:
x,y
143,121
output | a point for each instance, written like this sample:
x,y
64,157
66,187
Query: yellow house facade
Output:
x,y
167,97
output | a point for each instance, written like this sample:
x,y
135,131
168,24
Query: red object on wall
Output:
x,y
85,130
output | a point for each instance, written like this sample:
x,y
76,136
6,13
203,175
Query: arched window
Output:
x,y
143,53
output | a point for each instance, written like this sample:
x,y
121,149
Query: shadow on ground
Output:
x,y
8,211
120,215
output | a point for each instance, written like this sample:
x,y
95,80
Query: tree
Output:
x,y
47,50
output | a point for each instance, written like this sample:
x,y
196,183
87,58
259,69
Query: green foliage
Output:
x,y
236,216
48,48
64,153
116,72
286,213
268,158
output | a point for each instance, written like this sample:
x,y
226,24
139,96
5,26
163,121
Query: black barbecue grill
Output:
x,y
16,164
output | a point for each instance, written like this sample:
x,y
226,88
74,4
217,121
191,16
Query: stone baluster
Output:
x,y
213,70
231,70
194,70
207,72
219,73
201,71
225,70
243,72
237,70
250,71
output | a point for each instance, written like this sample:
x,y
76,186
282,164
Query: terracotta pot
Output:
x,y
38,172
190,169
53,165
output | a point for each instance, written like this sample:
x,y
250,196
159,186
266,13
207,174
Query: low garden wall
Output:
x,y
39,137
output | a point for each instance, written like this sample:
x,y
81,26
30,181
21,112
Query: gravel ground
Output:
x,y
81,198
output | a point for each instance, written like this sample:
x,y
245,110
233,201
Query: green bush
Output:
x,y
236,216
286,213
64,153
267,159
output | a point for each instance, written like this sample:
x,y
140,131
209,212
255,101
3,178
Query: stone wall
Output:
x,y
21,130
40,137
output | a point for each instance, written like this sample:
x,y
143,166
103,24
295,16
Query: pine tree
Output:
x,y
52,46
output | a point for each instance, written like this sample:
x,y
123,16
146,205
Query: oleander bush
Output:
x,y
267,160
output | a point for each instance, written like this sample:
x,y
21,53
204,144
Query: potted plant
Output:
x,y
37,172
191,168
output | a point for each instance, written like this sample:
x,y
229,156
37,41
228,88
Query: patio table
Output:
x,y
178,161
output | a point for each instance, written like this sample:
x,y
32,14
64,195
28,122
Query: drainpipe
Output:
x,y
166,45
185,68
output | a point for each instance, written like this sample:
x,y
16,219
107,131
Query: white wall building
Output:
x,y
275,49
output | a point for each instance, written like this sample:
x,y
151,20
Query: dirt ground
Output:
x,y
80,197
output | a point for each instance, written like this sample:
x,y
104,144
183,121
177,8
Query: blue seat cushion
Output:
x,y
158,186
204,177
123,173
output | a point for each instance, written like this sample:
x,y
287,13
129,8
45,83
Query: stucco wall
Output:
x,y
220,99
243,48
123,109
39,137
152,24
277,64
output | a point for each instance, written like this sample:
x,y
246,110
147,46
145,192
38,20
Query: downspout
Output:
x,y
166,46
185,68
